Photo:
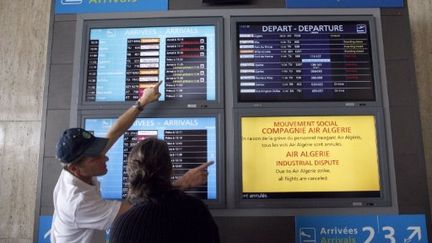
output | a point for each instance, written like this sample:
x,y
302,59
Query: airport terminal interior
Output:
x,y
316,114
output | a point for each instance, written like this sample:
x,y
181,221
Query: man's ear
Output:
x,y
74,169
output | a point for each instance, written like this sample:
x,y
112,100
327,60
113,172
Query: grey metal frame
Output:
x,y
227,109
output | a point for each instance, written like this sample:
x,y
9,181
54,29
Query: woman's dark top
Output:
x,y
174,217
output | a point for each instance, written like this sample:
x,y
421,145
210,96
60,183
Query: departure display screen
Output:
x,y
304,61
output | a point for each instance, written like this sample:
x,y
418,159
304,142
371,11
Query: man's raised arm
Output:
x,y
125,121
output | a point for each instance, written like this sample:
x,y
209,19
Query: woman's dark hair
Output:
x,y
149,169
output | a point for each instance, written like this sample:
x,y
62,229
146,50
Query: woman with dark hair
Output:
x,y
160,212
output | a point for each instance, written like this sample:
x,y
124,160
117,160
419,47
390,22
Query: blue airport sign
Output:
x,y
108,6
367,229
44,228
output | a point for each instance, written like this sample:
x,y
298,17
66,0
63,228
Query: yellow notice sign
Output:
x,y
309,154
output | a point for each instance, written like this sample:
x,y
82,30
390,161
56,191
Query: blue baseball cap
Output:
x,y
76,143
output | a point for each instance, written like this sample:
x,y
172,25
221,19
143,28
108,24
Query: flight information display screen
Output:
x,y
122,62
309,156
304,61
191,142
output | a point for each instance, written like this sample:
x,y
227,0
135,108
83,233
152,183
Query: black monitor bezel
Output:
x,y
384,200
157,113
153,22
376,60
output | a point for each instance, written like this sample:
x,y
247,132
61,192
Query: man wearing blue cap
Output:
x,y
80,213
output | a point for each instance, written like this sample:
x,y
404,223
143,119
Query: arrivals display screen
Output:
x,y
309,157
191,142
303,61
122,61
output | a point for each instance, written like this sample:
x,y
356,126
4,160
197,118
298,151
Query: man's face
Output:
x,y
94,166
